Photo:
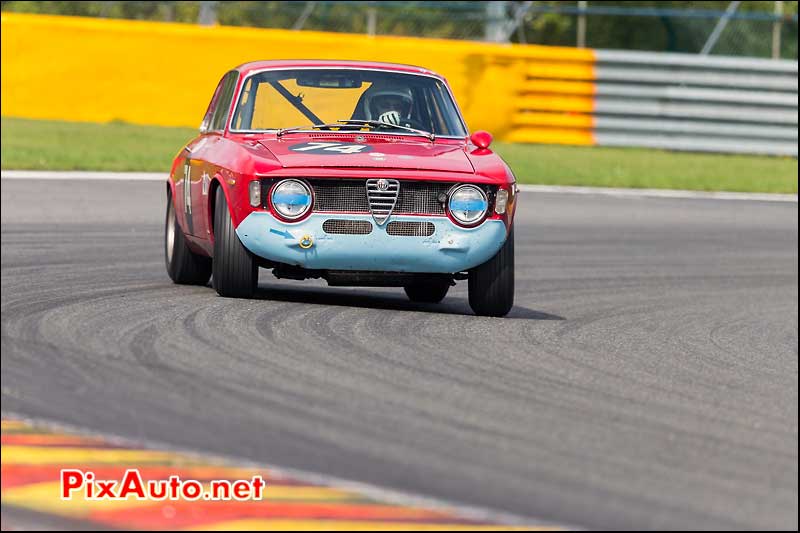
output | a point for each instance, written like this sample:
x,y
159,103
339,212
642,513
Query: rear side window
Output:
x,y
212,106
223,104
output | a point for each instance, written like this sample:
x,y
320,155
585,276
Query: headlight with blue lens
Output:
x,y
291,199
468,204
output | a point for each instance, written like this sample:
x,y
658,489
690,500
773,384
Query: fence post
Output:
x,y
496,22
372,21
581,40
208,14
776,30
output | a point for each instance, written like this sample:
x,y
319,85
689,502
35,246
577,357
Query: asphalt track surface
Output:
x,y
647,377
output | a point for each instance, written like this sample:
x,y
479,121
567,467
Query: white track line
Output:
x,y
661,193
81,175
371,491
605,191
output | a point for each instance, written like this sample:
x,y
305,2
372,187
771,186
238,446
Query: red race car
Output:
x,y
360,173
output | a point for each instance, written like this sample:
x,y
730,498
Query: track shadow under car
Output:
x,y
385,300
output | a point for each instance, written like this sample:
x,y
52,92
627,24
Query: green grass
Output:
x,y
49,145
647,168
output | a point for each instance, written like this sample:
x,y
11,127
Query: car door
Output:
x,y
198,170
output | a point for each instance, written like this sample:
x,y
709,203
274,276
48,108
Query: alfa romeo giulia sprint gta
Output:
x,y
360,173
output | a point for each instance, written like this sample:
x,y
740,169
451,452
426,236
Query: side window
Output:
x,y
224,102
206,124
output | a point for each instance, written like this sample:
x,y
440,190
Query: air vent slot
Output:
x,y
347,227
351,137
410,229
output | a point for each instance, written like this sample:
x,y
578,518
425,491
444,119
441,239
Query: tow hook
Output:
x,y
306,241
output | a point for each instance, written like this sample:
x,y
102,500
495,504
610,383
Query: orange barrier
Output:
x,y
99,70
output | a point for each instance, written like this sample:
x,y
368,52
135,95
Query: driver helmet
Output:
x,y
387,104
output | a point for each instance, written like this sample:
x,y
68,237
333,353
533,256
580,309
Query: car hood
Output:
x,y
346,152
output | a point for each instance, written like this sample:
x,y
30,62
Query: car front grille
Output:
x,y
340,195
410,229
350,196
382,196
347,227
422,197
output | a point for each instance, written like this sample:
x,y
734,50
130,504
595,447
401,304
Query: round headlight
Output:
x,y
291,199
468,204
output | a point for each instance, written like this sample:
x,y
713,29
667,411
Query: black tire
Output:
x,y
183,266
428,291
235,270
491,285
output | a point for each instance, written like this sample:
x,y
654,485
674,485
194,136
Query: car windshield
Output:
x,y
280,99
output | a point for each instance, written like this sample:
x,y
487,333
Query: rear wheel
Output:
x,y
235,270
183,266
428,291
491,285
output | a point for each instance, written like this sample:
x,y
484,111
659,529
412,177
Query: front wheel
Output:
x,y
235,271
491,285
183,266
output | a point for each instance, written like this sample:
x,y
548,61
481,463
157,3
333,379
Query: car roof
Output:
x,y
252,66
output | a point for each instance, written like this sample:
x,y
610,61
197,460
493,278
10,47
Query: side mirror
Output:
x,y
481,139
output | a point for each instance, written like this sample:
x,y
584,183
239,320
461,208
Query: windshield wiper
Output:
x,y
357,124
338,124
378,124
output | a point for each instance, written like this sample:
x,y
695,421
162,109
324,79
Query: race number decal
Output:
x,y
330,148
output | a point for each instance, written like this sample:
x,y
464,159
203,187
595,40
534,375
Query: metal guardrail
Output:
x,y
659,100
696,103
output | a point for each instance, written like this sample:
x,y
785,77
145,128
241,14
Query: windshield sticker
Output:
x,y
330,148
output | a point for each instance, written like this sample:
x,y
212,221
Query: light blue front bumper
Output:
x,y
450,249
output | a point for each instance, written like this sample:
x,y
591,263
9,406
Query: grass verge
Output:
x,y
52,145
647,168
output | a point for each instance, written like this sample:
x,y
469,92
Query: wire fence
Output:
x,y
746,28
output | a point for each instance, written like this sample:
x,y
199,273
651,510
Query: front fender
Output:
x,y
235,188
